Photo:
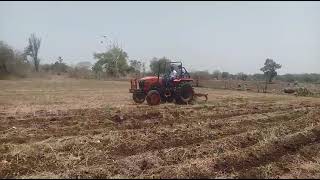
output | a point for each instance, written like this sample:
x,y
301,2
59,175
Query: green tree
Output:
x,y
287,77
136,65
59,66
216,74
12,62
81,70
164,65
6,55
97,67
258,77
242,76
225,75
33,49
269,69
114,62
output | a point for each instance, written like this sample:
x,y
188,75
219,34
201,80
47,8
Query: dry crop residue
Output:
x,y
258,140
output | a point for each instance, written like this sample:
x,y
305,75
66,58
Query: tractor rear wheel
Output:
x,y
138,97
153,98
185,93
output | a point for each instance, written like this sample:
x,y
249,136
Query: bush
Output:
x,y
203,75
81,70
13,62
302,91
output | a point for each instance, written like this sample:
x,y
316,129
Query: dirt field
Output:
x,y
92,129
256,86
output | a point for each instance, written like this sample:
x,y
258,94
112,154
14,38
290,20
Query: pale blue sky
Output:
x,y
229,36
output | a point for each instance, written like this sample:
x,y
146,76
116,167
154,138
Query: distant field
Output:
x,y
275,87
67,128
33,94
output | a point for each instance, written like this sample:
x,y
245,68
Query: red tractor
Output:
x,y
156,89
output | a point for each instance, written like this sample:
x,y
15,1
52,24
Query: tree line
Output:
x,y
15,63
115,63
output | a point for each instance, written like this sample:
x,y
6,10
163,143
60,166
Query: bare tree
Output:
x,y
32,50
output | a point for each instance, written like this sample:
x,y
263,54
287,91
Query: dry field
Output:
x,y
62,128
254,86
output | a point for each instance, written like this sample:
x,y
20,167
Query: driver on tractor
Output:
x,y
181,71
172,76
173,73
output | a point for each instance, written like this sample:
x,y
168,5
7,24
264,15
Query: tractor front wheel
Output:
x,y
138,97
153,98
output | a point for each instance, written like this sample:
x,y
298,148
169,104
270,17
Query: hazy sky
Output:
x,y
229,36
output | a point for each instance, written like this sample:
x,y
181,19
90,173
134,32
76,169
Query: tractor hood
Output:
x,y
148,78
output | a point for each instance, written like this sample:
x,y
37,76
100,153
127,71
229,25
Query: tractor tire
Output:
x,y
138,97
170,99
153,98
184,93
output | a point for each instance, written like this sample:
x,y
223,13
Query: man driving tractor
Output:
x,y
172,76
173,73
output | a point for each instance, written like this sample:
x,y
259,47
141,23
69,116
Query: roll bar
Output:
x,y
175,62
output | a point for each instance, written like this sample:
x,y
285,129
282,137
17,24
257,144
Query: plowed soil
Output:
x,y
233,135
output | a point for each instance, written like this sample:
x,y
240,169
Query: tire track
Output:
x,y
129,142
235,162
195,145
207,149
288,164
